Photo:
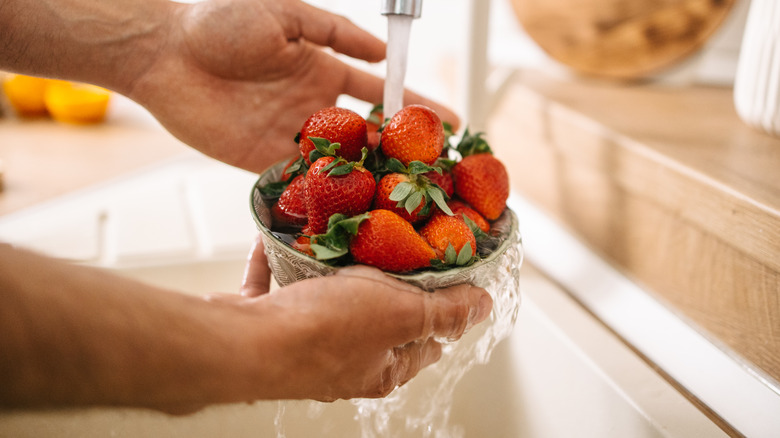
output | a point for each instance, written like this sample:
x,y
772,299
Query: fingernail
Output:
x,y
484,308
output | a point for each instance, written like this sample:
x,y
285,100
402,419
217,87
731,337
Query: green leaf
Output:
x,y
413,201
450,256
464,256
478,233
417,167
296,168
395,165
401,191
315,155
329,166
471,144
438,264
325,146
438,196
336,218
427,204
342,169
352,224
274,189
327,253
335,242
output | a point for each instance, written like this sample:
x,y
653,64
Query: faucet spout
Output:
x,y
411,8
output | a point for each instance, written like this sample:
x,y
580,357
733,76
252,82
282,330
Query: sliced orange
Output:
x,y
25,93
74,102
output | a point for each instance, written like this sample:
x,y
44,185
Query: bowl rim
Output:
x,y
416,276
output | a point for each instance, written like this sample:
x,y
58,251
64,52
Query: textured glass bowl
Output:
x,y
289,265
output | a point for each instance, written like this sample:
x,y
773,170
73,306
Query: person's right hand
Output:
x,y
236,79
358,333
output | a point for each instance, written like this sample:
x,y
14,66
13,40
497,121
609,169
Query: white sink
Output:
x,y
560,372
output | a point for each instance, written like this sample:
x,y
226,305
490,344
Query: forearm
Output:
x,y
107,42
76,336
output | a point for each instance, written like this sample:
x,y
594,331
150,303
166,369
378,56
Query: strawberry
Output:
x,y
338,125
374,124
290,209
461,208
413,134
451,238
382,200
443,180
482,181
480,178
390,243
334,185
296,166
408,193
303,242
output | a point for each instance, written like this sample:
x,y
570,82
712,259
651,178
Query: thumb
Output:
x,y
451,312
257,274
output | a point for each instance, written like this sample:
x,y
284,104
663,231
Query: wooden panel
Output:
x,y
671,187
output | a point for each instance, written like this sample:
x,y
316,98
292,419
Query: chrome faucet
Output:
x,y
411,8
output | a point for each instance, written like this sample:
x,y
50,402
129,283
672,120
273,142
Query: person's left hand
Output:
x,y
357,333
236,79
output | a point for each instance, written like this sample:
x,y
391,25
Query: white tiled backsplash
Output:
x,y
184,210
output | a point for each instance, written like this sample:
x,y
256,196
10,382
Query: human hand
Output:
x,y
358,333
237,78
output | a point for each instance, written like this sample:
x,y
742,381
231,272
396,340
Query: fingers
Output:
x,y
404,363
257,275
446,313
450,312
337,32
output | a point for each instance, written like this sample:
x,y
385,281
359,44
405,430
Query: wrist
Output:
x,y
104,43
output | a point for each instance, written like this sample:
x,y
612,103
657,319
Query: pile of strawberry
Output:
x,y
396,195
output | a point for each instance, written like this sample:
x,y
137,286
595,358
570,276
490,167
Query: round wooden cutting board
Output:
x,y
621,39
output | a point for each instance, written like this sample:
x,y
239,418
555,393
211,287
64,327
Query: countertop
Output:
x,y
42,159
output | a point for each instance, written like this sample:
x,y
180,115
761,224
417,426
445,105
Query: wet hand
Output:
x,y
359,333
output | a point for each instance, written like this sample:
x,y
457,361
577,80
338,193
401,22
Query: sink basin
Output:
x,y
560,373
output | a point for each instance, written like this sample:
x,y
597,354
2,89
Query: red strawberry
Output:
x,y
483,182
335,186
390,243
443,180
286,176
374,121
413,134
443,231
338,125
290,209
461,208
382,200
303,242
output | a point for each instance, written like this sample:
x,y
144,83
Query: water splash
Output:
x,y
398,30
423,406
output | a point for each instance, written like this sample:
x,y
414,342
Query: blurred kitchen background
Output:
x,y
645,165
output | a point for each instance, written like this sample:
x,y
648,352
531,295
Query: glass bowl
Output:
x,y
289,265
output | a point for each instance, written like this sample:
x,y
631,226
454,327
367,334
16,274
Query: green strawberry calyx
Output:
x,y
472,144
334,243
274,189
455,258
340,166
419,189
